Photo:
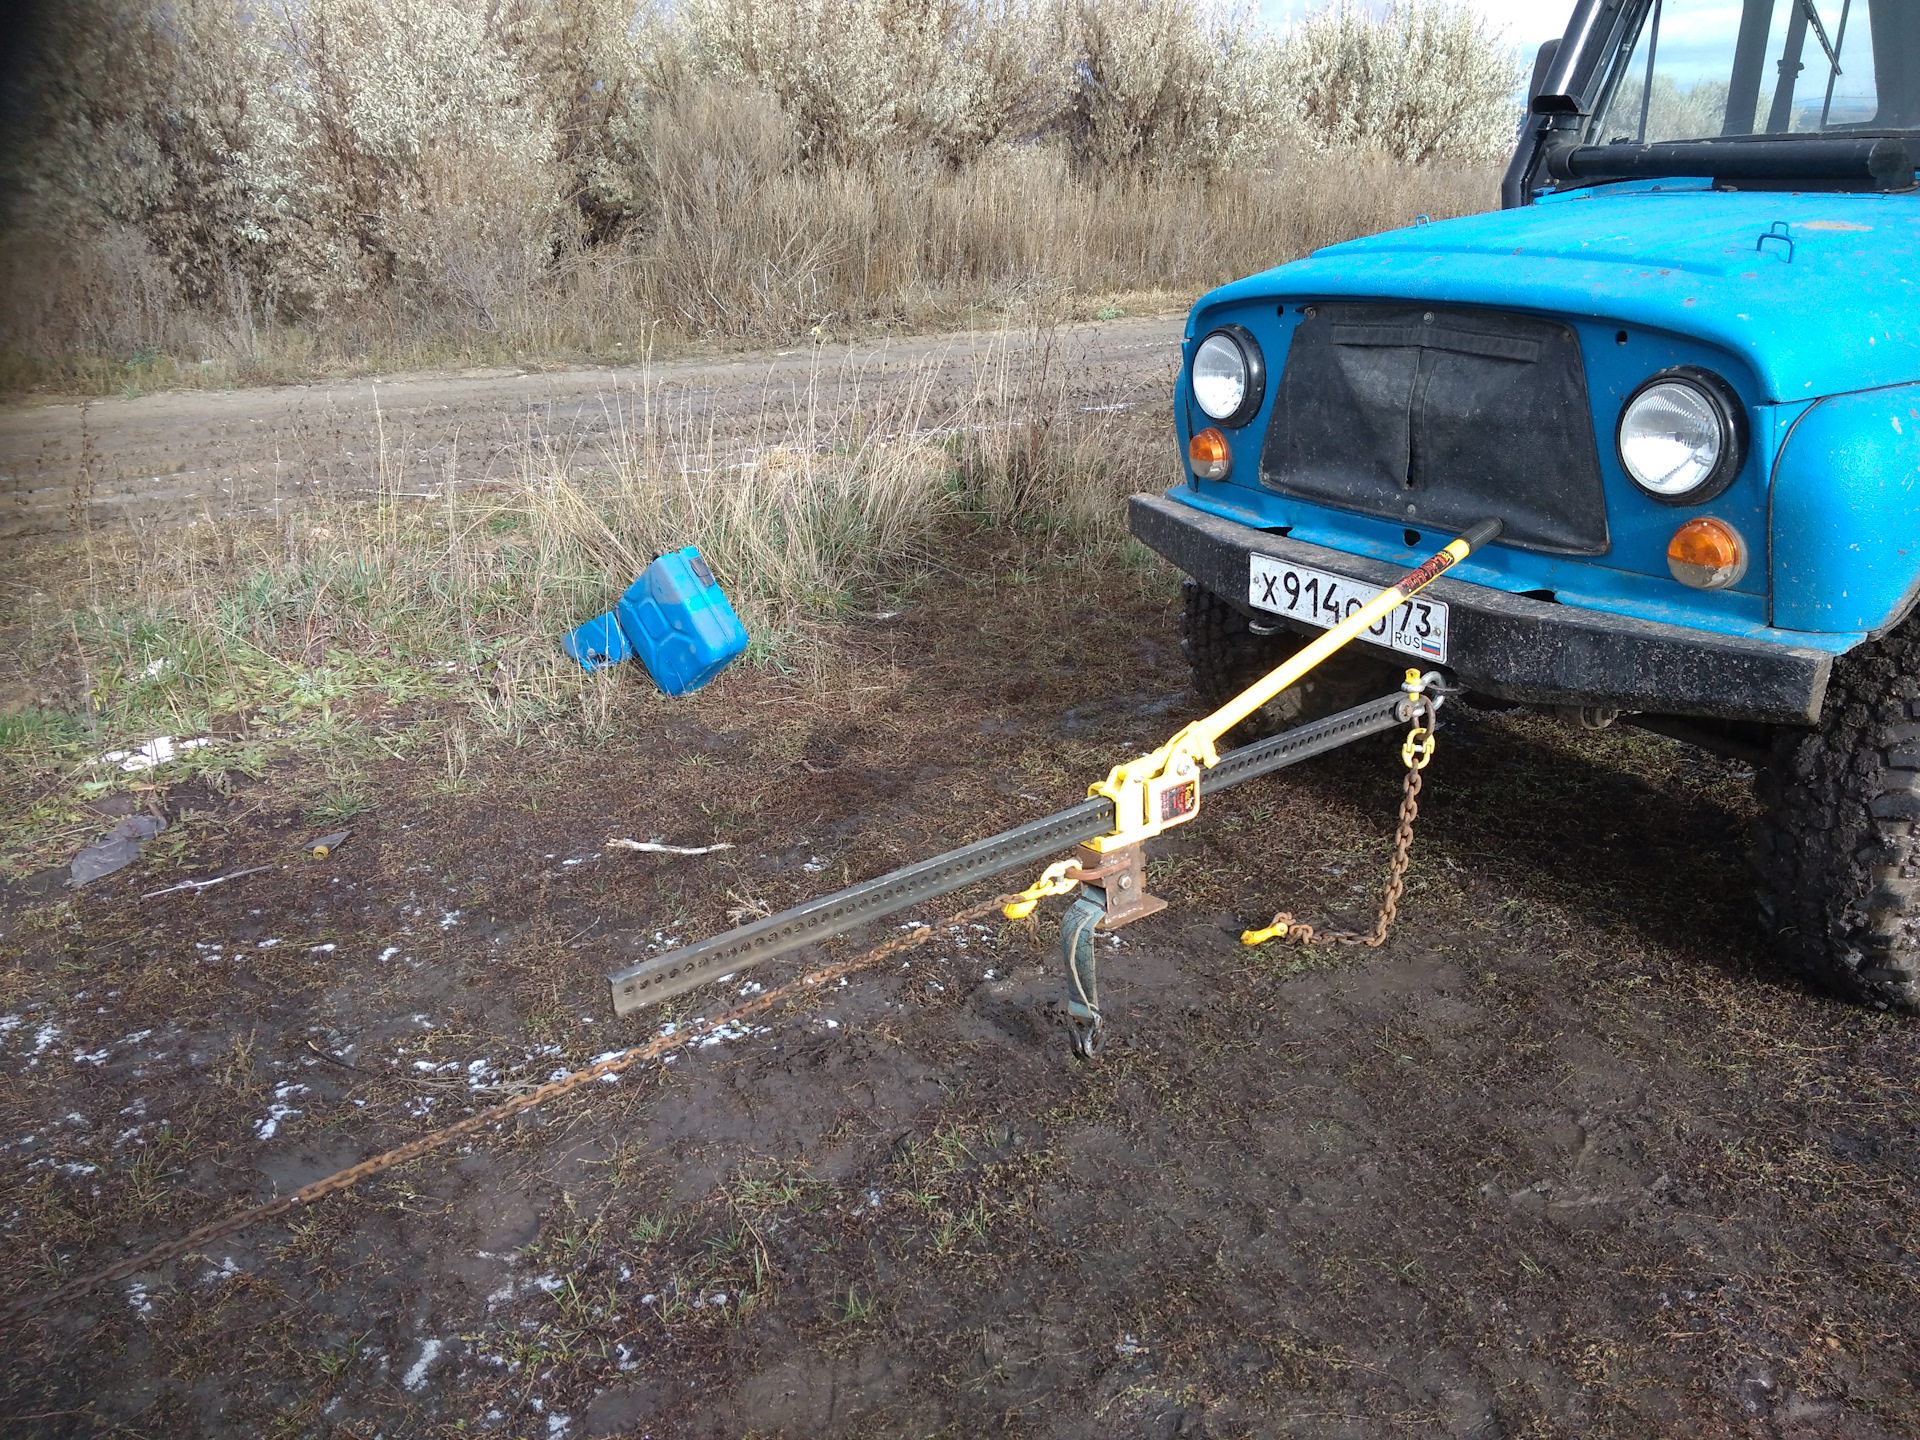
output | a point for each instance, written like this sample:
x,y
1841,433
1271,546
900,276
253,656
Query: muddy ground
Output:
x,y
1565,1157
188,454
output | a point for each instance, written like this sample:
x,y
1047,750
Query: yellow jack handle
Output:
x,y
1162,789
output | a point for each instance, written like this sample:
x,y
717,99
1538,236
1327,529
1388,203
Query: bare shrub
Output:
x,y
158,119
859,77
1426,82
380,182
1168,86
592,70
114,295
414,124
739,237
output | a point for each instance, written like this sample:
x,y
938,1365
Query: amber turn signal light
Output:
x,y
1707,554
1207,453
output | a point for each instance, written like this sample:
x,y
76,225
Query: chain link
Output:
x,y
613,1065
1416,753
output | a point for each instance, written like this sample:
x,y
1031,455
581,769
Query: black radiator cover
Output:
x,y
1436,418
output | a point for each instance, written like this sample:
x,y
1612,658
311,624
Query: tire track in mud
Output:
x,y
186,455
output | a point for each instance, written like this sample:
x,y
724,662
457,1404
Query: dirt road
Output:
x,y
189,453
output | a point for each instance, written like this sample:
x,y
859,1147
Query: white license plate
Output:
x,y
1418,627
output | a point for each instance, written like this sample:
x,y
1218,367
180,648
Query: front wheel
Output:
x,y
1227,655
1837,854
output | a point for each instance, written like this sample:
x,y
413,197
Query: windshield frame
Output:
x,y
1761,48
1577,78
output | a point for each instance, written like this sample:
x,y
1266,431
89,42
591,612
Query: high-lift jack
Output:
x,y
1138,800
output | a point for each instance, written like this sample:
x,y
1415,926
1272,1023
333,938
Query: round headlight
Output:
x,y
1229,378
1682,436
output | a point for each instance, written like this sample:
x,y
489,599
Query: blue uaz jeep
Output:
x,y
1682,366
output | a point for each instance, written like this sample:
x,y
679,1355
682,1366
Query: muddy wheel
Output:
x,y
1838,854
1227,656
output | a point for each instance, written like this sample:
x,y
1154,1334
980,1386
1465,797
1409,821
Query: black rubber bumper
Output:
x,y
1530,651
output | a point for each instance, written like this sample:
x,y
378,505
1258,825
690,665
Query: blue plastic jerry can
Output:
x,y
679,623
596,643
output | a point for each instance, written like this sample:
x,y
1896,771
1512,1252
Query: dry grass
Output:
x,y
749,253
335,631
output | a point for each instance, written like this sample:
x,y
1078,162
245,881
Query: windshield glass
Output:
x,y
1702,69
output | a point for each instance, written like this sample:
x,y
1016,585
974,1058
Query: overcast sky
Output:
x,y
1524,22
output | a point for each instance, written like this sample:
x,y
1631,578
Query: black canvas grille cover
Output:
x,y
1438,418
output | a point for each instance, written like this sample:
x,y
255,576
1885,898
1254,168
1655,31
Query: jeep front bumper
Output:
x,y
1529,651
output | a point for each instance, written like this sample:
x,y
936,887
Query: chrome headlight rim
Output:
x,y
1725,403
1254,395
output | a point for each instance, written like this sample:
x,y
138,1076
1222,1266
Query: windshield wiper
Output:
x,y
1833,55
1880,163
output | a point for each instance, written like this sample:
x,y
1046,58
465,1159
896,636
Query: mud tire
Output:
x,y
1838,850
1227,656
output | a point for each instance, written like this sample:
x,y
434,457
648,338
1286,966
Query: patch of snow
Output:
x,y
416,1377
1127,1347
98,1057
389,952
157,751
449,919
326,949
137,1298
44,1037
814,865
557,1424
269,1125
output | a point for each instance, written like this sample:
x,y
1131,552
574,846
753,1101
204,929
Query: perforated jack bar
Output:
x,y
693,965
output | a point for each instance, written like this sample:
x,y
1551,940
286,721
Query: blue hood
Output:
x,y
1843,314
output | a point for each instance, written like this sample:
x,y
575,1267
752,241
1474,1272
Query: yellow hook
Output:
x,y
1054,880
1276,931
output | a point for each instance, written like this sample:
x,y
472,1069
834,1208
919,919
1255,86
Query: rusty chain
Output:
x,y
613,1065
1416,752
